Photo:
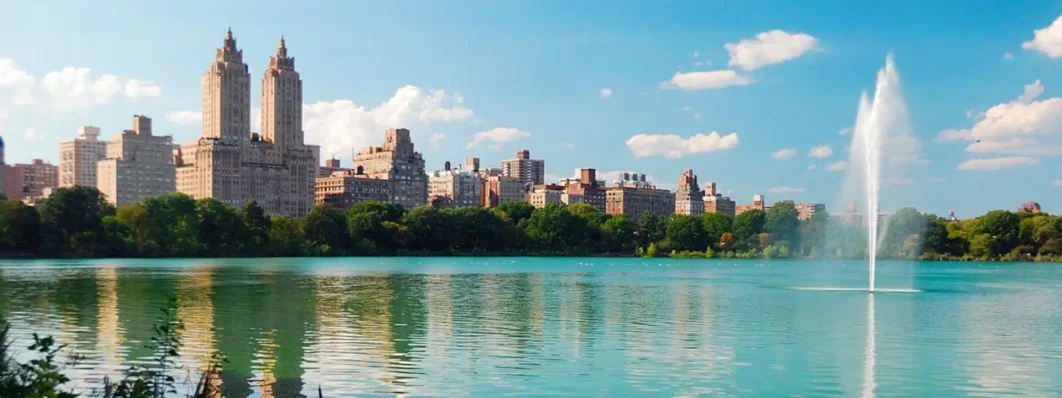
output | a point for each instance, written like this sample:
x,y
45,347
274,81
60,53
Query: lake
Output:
x,y
447,327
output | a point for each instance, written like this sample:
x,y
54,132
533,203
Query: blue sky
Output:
x,y
530,74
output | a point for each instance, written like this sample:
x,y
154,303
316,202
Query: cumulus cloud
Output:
x,y
769,48
1002,163
812,167
785,189
1008,55
497,136
185,118
845,131
344,124
135,88
33,135
16,84
436,139
708,80
820,152
784,153
696,54
606,93
675,146
1047,40
1025,126
836,166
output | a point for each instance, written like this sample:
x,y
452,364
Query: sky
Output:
x,y
758,96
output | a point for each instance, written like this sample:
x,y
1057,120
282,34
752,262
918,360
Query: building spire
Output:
x,y
228,33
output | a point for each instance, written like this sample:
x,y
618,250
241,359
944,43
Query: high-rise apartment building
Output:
x,y
397,162
807,210
688,197
501,189
529,171
233,165
715,202
543,195
587,188
635,201
454,188
34,180
3,167
138,164
345,188
78,158
758,203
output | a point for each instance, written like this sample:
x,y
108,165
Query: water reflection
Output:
x,y
451,327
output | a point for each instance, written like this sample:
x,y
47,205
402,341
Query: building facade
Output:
x,y
34,180
633,202
530,171
345,188
138,164
587,189
78,158
758,203
543,195
397,162
688,197
331,166
233,165
500,189
807,210
455,188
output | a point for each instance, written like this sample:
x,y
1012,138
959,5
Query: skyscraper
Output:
x,y
138,165
530,171
688,200
398,162
78,157
234,165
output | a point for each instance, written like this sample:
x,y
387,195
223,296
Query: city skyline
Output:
x,y
605,113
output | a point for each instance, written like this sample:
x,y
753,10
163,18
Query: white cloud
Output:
x,y
708,80
12,75
993,164
551,178
768,48
686,109
33,135
699,63
1031,92
820,152
567,145
1024,126
1008,55
784,153
697,115
436,139
938,180
674,146
836,166
185,118
845,131
498,136
74,88
16,85
606,93
135,88
812,167
343,124
696,54
1047,40
1057,183
785,189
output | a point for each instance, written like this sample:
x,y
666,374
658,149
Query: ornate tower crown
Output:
x,y
282,61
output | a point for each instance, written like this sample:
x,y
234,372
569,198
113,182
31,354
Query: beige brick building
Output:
x,y
345,188
530,171
397,162
233,165
455,187
688,197
138,164
501,189
633,201
78,157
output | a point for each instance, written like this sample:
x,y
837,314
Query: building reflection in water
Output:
x,y
108,329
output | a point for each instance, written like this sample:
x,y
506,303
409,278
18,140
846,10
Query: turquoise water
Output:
x,y
448,327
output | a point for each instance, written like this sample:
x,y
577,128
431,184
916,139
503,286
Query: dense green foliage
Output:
x,y
79,222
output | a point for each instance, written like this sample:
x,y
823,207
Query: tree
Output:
x,y
618,234
715,225
651,229
901,225
285,237
726,241
325,230
515,211
20,227
554,228
77,213
137,223
174,223
685,233
430,229
366,223
783,223
813,234
1002,228
747,228
257,226
221,231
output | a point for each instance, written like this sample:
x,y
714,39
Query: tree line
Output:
x,y
80,222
